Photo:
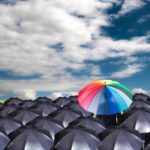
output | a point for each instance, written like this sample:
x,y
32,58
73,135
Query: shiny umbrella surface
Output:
x,y
5,110
75,106
139,120
65,116
105,97
62,101
8,125
139,105
76,139
4,140
27,103
23,115
43,99
44,108
49,124
15,101
27,138
140,97
121,139
89,123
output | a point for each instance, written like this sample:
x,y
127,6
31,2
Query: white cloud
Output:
x,y
139,90
26,94
129,6
29,28
55,95
127,72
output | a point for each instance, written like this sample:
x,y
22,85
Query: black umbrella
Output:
x,y
73,98
5,110
62,101
76,139
43,99
75,106
8,125
89,123
4,140
139,104
44,108
28,138
147,147
14,100
138,120
121,139
140,97
51,125
27,103
65,116
23,115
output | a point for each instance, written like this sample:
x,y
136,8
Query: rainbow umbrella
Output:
x,y
105,97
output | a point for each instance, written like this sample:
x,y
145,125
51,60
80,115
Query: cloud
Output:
x,y
128,71
139,90
129,6
144,19
55,95
30,29
26,94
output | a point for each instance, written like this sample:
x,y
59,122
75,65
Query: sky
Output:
x,y
55,47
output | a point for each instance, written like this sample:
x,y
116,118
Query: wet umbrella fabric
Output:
x,y
76,139
4,140
65,116
49,124
8,125
121,139
139,120
75,106
89,123
23,115
30,139
44,108
105,97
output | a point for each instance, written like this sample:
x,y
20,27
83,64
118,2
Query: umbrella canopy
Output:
x,y
14,100
5,110
65,116
27,138
51,125
139,104
75,106
61,101
44,108
105,97
4,140
140,97
73,98
89,123
147,147
139,120
76,139
121,139
23,115
43,99
27,103
8,125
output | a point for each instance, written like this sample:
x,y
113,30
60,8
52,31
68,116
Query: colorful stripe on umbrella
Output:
x,y
105,97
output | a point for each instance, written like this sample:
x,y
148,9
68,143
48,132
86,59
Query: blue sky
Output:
x,y
54,48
